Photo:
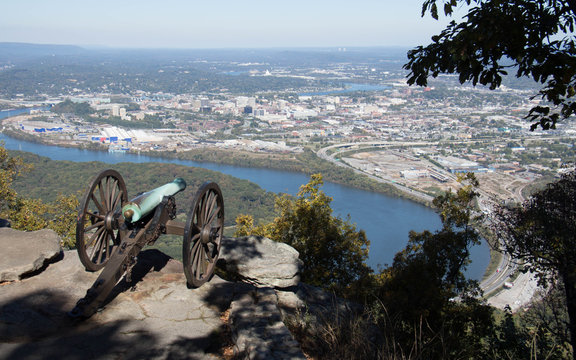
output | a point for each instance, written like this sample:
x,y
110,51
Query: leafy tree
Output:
x,y
541,233
33,214
533,38
436,310
332,250
528,335
68,106
10,168
63,212
28,214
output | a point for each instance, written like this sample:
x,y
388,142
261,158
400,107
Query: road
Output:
x,y
323,154
524,286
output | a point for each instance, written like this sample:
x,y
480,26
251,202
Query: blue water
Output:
x,y
8,113
386,220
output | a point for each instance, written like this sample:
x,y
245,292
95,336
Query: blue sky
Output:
x,y
217,23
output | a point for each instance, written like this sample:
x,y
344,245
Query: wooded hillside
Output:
x,y
50,178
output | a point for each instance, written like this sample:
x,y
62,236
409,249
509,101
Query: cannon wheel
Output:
x,y
202,234
97,234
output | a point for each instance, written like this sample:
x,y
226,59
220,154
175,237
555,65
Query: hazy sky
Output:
x,y
217,23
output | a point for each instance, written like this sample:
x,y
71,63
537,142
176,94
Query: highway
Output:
x,y
506,267
323,154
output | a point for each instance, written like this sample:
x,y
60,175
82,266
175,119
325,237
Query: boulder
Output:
x,y
261,261
24,253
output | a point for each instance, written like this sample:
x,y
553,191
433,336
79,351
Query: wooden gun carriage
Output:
x,y
111,230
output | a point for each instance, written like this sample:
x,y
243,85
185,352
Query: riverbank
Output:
x,y
386,220
306,163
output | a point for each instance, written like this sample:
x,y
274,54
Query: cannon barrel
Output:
x,y
145,203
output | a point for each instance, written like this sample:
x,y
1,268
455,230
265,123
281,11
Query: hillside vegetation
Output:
x,y
48,178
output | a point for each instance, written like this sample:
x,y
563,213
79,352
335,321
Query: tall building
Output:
x,y
115,110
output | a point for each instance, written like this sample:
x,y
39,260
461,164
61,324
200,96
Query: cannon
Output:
x,y
111,230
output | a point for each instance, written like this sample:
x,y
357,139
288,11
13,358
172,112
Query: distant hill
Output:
x,y
19,52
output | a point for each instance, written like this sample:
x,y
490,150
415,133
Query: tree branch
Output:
x,y
572,5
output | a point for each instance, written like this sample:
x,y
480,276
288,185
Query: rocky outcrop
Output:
x,y
24,253
154,317
157,317
261,261
258,330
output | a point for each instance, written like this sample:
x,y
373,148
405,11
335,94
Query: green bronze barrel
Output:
x,y
145,203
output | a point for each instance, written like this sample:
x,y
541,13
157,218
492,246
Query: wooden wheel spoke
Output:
x,y
208,252
117,200
97,243
96,215
209,206
103,241
213,216
106,187
102,196
196,242
95,225
97,203
112,187
114,236
94,237
110,243
204,208
198,260
112,194
197,220
204,267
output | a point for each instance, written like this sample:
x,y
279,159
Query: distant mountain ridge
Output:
x,y
13,52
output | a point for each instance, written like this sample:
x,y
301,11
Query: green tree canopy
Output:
x,y
542,233
33,214
332,250
68,106
10,168
434,309
533,38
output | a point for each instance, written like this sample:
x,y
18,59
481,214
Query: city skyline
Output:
x,y
218,24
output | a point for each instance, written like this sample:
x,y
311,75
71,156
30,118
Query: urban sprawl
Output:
x,y
398,134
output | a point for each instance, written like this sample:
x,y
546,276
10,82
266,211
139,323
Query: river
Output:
x,y
386,220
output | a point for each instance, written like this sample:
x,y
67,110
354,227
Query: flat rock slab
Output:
x,y
155,317
262,261
26,252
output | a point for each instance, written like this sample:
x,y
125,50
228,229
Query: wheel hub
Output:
x,y
206,235
109,221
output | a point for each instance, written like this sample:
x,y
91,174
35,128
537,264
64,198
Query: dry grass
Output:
x,y
334,334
